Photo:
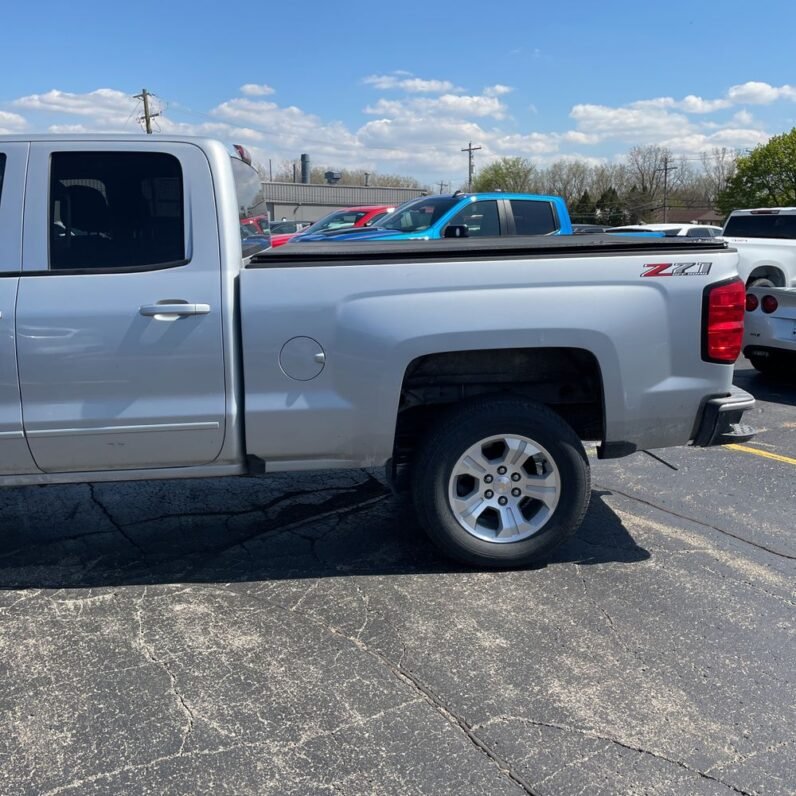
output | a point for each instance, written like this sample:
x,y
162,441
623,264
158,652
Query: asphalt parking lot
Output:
x,y
298,635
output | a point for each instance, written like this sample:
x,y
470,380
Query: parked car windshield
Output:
x,y
762,225
419,214
338,220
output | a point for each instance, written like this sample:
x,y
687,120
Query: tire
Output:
x,y
771,365
541,458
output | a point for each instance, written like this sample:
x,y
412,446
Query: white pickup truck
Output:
x,y
766,242
135,343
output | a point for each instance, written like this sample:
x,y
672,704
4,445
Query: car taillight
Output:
x,y
751,302
769,304
723,322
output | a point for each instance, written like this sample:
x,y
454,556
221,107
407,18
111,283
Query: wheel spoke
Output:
x,y
469,508
541,487
473,464
512,523
517,451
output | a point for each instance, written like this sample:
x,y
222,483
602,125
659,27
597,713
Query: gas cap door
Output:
x,y
302,358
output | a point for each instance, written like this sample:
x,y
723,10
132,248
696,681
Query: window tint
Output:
x,y
481,219
761,226
533,217
115,210
698,232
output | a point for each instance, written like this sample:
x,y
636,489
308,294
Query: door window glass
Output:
x,y
480,218
116,210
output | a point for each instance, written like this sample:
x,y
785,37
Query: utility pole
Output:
x,y
666,168
442,184
148,116
470,149
367,177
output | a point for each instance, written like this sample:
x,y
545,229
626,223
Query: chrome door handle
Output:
x,y
174,309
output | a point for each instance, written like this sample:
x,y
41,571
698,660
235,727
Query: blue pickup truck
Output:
x,y
460,215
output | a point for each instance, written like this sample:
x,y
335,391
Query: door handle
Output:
x,y
173,309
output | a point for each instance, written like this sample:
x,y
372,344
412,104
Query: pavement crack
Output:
x,y
149,654
420,689
704,524
112,520
611,739
614,630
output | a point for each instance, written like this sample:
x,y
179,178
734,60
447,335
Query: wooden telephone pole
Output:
x,y
469,150
148,115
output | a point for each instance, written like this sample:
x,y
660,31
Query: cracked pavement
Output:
x,y
297,634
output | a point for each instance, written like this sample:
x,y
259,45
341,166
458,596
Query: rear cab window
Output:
x,y
762,225
115,210
533,217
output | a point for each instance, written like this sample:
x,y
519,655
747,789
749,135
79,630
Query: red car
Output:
x,y
364,216
257,224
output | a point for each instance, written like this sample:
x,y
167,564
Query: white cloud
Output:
x,y
257,90
405,81
756,93
689,104
11,123
578,137
102,102
524,143
456,105
626,123
497,90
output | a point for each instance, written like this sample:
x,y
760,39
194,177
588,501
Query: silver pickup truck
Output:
x,y
136,343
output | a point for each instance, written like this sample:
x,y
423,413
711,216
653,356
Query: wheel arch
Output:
x,y
568,380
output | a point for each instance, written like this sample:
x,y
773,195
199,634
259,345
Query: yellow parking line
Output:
x,y
765,454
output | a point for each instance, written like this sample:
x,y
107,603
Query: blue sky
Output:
x,y
401,87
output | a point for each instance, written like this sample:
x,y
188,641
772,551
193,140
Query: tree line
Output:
x,y
633,189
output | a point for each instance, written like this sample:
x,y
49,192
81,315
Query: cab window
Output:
x,y
480,218
115,210
533,217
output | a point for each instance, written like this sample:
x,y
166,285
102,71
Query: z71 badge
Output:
x,y
676,269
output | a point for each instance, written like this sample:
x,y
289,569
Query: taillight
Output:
x,y
769,304
751,302
722,317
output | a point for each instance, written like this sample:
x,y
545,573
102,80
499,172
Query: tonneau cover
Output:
x,y
300,254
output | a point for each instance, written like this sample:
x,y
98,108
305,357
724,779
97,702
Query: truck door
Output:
x,y
119,335
15,456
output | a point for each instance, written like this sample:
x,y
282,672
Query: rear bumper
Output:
x,y
720,422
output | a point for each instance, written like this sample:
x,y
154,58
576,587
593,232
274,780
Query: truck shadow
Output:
x,y
356,530
776,389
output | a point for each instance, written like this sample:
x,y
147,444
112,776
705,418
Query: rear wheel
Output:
x,y
761,281
500,482
773,364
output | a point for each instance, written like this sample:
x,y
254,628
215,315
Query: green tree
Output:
x,y
609,207
507,174
583,210
766,177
